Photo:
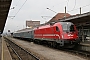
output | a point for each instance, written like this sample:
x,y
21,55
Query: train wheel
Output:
x,y
49,44
35,41
57,45
54,44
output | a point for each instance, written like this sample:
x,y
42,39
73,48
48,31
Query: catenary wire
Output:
x,y
74,5
19,9
79,8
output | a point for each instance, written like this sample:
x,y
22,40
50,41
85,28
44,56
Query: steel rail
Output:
x,y
10,42
15,52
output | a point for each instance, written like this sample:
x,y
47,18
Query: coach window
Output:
x,y
57,29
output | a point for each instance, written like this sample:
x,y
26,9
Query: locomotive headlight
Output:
x,y
67,23
62,36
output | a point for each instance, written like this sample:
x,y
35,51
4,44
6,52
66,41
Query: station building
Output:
x,y
32,24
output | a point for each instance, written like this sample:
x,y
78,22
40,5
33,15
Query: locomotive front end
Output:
x,y
69,34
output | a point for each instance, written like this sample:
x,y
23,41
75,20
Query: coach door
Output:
x,y
32,34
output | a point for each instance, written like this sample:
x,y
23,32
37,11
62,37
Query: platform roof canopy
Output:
x,y
78,19
4,10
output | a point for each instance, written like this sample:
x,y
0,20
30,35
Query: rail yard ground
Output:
x,y
46,53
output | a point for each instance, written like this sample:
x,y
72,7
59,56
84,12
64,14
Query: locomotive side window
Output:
x,y
57,29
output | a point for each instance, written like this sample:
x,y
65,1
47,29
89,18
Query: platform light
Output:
x,y
8,30
51,10
67,23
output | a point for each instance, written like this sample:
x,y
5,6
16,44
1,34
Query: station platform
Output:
x,y
85,46
5,55
85,43
0,48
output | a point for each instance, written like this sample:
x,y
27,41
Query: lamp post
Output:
x,y
11,16
80,10
51,10
65,13
12,8
44,17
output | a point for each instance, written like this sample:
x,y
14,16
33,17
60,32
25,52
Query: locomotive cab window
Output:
x,y
57,29
68,28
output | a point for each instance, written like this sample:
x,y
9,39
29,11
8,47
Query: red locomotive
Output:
x,y
60,33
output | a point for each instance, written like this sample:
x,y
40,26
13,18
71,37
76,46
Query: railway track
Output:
x,y
81,53
19,53
75,51
84,54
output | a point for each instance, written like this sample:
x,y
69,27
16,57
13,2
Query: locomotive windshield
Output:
x,y
68,27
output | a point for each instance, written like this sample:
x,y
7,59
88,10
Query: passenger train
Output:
x,y
63,34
